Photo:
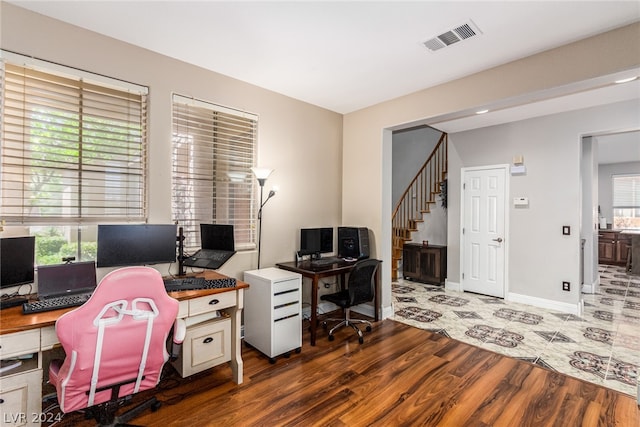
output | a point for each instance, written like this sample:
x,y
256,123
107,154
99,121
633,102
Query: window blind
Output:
x,y
626,191
73,150
214,148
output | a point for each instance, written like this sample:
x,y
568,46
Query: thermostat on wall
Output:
x,y
520,201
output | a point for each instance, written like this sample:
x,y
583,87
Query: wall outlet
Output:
x,y
566,286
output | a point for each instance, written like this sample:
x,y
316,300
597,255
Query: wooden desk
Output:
x,y
340,268
32,334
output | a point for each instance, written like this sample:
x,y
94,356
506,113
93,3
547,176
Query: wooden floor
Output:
x,y
400,376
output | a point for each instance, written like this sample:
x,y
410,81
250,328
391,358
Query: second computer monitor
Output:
x,y
316,240
217,236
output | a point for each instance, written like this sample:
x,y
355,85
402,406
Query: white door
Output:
x,y
483,243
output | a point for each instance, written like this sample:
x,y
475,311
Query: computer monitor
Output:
x,y
62,279
316,240
136,244
217,236
17,256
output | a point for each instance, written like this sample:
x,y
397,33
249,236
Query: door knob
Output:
x,y
499,240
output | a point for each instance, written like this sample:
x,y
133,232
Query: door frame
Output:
x,y
507,238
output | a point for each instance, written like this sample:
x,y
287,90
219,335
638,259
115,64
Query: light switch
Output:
x,y
566,230
520,201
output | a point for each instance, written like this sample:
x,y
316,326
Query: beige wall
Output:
x,y
300,141
366,136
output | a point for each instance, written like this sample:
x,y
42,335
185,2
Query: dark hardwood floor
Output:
x,y
400,376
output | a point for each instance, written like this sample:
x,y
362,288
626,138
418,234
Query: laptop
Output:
x,y
78,279
217,247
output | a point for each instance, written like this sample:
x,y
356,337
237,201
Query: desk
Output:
x,y
35,333
340,268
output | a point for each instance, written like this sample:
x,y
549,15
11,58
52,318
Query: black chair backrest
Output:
x,y
361,281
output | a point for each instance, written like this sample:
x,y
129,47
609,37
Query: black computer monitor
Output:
x,y
217,236
17,256
136,244
316,240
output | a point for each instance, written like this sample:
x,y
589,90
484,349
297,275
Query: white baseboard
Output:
x,y
546,303
452,286
592,288
526,299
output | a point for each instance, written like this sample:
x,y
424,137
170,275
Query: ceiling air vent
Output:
x,y
459,33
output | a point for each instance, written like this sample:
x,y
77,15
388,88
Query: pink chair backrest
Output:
x,y
118,335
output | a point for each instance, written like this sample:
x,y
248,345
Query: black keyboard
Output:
x,y
197,283
322,262
54,303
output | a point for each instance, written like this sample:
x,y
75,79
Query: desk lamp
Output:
x,y
262,174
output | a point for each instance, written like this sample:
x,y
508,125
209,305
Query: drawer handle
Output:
x,y
207,340
214,301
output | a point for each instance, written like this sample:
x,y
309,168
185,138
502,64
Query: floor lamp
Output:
x,y
262,174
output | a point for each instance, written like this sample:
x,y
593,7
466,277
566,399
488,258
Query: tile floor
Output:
x,y
602,346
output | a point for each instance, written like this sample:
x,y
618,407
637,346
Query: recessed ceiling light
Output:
x,y
630,79
482,111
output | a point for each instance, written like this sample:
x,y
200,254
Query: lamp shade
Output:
x,y
261,173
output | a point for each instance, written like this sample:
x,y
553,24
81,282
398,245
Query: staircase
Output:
x,y
417,200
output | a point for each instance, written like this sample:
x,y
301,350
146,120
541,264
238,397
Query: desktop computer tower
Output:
x,y
353,242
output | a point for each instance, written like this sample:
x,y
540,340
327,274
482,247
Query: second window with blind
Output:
x,y
213,149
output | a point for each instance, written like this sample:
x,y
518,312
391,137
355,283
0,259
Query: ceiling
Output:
x,y
348,55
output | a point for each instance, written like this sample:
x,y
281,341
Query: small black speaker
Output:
x,y
353,242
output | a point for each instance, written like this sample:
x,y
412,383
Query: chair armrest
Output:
x,y
179,332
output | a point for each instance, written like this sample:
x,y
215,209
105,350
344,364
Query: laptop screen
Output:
x,y
54,280
217,236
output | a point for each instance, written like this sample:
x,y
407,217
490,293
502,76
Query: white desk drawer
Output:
x,y
48,338
286,311
212,302
286,285
205,345
19,343
285,298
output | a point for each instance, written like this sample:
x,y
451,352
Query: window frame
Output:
x,y
625,202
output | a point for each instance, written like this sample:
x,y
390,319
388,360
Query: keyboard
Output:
x,y
212,254
198,283
54,303
322,262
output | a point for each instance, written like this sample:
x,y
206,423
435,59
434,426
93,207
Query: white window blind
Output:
x,y
214,148
73,150
626,191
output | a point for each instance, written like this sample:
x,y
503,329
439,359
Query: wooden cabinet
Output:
x,y
427,264
613,247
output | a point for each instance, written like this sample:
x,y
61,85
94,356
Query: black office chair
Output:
x,y
361,289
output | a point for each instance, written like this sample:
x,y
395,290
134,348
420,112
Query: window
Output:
x,y
626,201
73,153
214,148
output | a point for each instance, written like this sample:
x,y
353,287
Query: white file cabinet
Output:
x,y
273,311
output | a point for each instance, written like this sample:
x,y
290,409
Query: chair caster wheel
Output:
x,y
156,406
272,360
298,350
360,340
368,328
324,325
331,338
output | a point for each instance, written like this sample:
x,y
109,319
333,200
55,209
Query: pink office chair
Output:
x,y
116,344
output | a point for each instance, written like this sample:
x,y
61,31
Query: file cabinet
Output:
x,y
273,311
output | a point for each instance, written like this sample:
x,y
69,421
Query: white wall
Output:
x,y
302,142
540,256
